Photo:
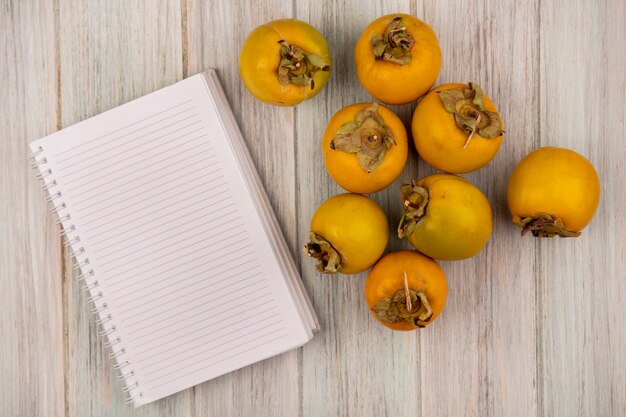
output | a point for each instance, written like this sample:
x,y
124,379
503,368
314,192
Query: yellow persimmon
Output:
x,y
397,58
456,128
284,62
365,147
406,290
349,232
553,191
445,217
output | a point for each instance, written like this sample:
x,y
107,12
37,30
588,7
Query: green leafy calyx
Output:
x,y
367,136
543,225
395,44
298,66
469,112
328,258
405,305
414,202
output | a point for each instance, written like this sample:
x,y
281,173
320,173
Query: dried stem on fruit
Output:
x,y
367,136
543,225
414,202
298,66
469,112
407,293
406,305
328,258
393,45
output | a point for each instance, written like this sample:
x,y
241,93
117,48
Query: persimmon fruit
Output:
x,y
456,128
284,62
349,232
445,217
553,191
397,58
365,147
406,290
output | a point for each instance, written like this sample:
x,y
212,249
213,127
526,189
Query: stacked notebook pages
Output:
x,y
175,239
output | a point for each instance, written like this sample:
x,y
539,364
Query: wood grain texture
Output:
x,y
353,366
531,328
581,281
479,358
216,31
110,52
31,324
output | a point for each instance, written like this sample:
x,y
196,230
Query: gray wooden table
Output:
x,y
531,328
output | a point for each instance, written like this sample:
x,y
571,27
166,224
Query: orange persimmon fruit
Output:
x,y
456,128
406,290
553,191
365,147
349,232
445,217
284,62
397,58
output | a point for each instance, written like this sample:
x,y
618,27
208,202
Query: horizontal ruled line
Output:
x,y
237,327
168,175
241,319
199,314
201,273
138,145
224,359
162,216
189,324
146,174
213,348
130,325
169,157
125,288
178,228
160,187
181,263
174,204
170,298
169,246
142,210
63,160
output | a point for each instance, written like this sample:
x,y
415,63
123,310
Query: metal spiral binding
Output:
x,y
113,342
84,275
69,242
55,209
122,365
72,238
65,218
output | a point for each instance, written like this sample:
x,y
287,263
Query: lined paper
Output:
x,y
180,262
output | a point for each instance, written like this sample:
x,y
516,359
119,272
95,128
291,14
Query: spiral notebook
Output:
x,y
175,239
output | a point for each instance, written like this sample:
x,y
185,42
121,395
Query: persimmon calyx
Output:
x,y
393,309
328,258
543,225
298,66
393,45
367,136
414,202
469,112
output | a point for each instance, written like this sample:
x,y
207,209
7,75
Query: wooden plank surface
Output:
x,y
31,323
479,359
216,31
353,366
532,328
581,282
110,53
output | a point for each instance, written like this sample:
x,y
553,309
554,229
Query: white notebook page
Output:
x,y
170,231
